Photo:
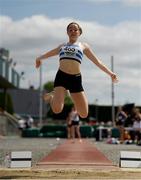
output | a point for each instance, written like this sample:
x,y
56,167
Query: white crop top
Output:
x,y
71,51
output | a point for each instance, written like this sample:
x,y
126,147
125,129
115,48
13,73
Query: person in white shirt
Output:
x,y
74,117
22,125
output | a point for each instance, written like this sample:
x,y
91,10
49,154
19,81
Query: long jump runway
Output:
x,y
76,153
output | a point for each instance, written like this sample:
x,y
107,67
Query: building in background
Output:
x,y
26,102
9,77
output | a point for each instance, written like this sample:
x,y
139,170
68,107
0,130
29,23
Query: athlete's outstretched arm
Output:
x,y
48,54
90,54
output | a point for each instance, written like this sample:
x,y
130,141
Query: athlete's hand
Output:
x,y
114,78
38,63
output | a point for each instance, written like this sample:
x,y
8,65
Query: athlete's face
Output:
x,y
73,31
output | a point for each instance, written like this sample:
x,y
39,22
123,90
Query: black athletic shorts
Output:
x,y
70,82
75,123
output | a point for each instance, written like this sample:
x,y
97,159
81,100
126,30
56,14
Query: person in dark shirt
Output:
x,y
120,122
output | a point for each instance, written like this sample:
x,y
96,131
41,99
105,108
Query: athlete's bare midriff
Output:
x,y
69,66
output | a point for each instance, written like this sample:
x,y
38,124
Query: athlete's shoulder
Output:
x,y
85,45
60,45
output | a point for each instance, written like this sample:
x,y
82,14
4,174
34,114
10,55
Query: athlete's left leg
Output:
x,y
78,132
81,103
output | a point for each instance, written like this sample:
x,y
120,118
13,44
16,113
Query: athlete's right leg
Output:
x,y
81,103
57,99
73,132
78,131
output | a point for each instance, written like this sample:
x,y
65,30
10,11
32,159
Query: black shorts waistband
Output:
x,y
71,75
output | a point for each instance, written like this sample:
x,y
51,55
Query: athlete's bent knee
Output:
x,y
57,108
83,114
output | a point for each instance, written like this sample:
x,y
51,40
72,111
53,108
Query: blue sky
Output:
x,y
29,28
109,13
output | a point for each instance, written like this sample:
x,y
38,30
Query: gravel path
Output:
x,y
112,151
40,147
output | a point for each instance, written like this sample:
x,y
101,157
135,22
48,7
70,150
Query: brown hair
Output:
x,y
80,29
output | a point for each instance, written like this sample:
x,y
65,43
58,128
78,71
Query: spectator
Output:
x,y
29,122
22,125
69,127
74,117
120,122
136,133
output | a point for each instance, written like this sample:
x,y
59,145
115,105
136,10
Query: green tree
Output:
x,y
68,100
48,86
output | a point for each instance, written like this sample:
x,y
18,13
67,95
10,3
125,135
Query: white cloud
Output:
x,y
134,3
29,37
98,1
